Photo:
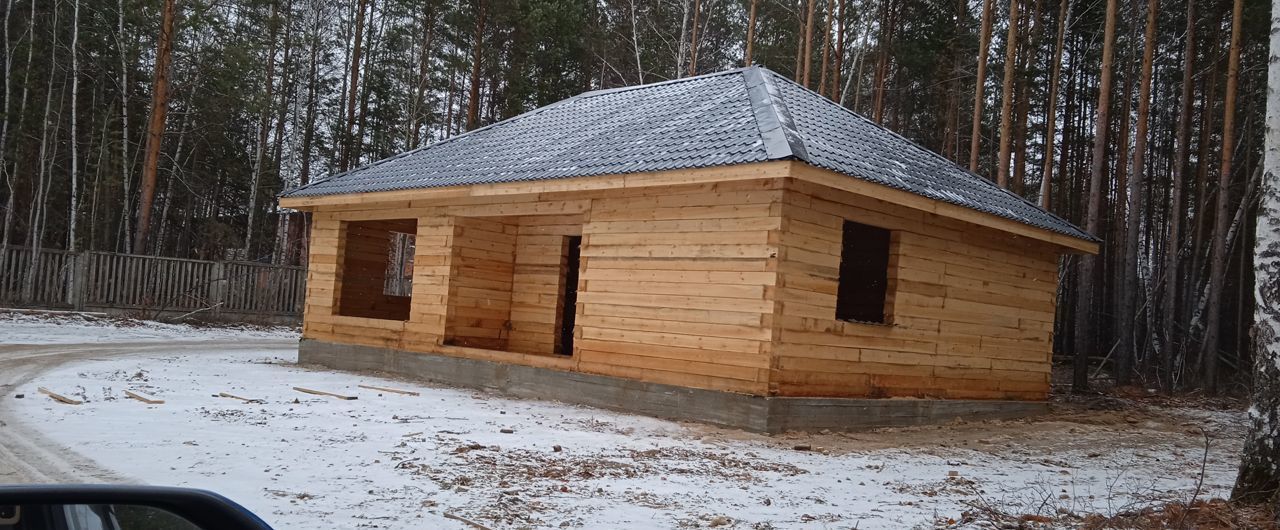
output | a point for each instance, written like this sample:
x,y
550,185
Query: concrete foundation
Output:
x,y
742,411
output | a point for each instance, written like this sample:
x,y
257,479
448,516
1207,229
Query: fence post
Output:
x,y
77,292
218,287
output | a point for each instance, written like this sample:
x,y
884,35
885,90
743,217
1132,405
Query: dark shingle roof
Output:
x,y
734,117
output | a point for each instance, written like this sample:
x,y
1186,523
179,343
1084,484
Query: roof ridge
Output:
x,y
777,128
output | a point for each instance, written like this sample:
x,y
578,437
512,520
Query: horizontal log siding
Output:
x,y
728,286
537,286
479,308
678,288
971,309
676,282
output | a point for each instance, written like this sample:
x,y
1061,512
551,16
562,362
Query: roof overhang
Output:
x,y
760,170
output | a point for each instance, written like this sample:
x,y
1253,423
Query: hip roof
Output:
x,y
734,117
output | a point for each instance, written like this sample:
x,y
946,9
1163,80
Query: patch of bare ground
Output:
x,y
521,481
1212,514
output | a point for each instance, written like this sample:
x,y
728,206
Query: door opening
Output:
x,y
569,302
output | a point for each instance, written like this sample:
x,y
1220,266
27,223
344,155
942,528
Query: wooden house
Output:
x,y
731,248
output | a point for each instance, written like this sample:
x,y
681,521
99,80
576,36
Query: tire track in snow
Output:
x,y
26,456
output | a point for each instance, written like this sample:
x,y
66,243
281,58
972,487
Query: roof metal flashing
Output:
x,y
777,129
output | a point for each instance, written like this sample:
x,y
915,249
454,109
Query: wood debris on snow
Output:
x,y
323,393
59,397
144,399
391,390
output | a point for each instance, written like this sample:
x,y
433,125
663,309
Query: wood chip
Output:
x,y
59,397
391,390
144,399
322,393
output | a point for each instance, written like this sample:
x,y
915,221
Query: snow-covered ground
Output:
x,y
71,328
388,460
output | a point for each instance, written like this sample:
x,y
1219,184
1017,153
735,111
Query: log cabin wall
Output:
x,y
677,288
479,302
724,286
970,309
364,250
325,279
538,283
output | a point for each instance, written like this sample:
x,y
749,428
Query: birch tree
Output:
x,y
1259,477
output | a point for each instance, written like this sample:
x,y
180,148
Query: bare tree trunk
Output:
x,y
1128,288
800,42
35,217
420,89
693,39
1174,243
855,79
4,136
1006,104
826,50
348,142
286,91
174,169
839,51
807,57
1084,330
477,49
975,136
751,33
75,154
1259,477
682,49
1064,12
635,39
22,112
155,128
887,27
313,86
126,210
264,126
453,90
1217,261
1199,234
371,50
1028,49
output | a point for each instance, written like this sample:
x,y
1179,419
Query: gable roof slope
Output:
x,y
734,117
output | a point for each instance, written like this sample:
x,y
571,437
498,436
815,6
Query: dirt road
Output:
x,y
26,456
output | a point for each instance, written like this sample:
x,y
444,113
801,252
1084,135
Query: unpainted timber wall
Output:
x,y
970,309
722,286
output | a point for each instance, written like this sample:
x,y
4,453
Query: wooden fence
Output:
x,y
149,285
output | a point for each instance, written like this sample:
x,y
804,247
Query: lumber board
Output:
x,y
59,397
142,398
244,399
323,393
391,390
